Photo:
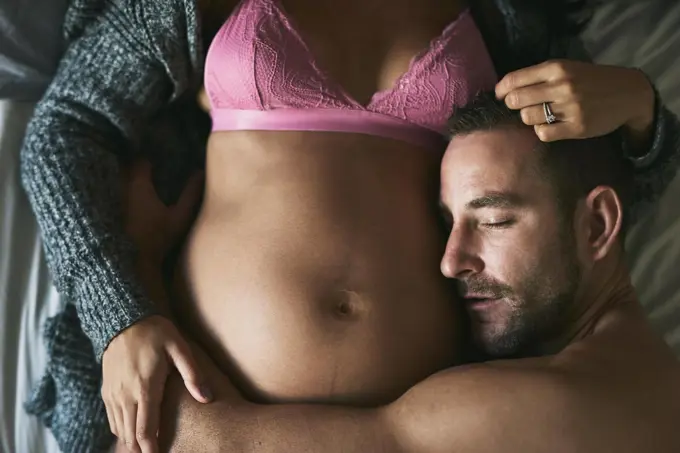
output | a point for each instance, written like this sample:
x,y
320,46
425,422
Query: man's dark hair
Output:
x,y
574,167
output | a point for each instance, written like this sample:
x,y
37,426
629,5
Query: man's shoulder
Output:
x,y
623,342
582,395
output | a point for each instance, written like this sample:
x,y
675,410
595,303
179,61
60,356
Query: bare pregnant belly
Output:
x,y
312,272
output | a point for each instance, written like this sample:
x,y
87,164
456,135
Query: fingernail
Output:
x,y
206,393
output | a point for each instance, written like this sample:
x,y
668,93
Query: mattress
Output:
x,y
631,33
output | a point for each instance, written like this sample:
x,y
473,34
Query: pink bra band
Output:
x,y
323,120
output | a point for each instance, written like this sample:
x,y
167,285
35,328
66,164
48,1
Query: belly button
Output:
x,y
346,307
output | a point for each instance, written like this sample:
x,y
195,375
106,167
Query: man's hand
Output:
x,y
154,227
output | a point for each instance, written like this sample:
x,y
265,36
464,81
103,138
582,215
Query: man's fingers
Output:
x,y
148,414
183,359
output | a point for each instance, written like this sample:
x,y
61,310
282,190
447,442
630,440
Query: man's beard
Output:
x,y
538,308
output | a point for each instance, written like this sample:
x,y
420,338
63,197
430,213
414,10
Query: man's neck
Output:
x,y
606,292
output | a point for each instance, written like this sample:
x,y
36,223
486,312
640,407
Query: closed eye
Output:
x,y
501,224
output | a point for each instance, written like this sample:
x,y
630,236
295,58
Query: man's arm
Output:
x,y
232,425
482,408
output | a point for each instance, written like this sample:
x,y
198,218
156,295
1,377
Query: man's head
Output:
x,y
532,224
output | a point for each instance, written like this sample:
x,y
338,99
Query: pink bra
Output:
x,y
260,75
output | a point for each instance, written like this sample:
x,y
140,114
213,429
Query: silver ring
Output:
x,y
550,117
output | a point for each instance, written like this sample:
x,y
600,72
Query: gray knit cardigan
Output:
x,y
125,86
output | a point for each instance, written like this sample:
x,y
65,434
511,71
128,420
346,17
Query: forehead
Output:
x,y
503,159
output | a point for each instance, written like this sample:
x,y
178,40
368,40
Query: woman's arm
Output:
x,y
521,33
131,59
117,74
651,139
656,168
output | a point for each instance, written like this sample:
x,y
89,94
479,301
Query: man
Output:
x,y
536,243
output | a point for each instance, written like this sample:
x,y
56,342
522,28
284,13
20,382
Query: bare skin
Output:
x,y
324,244
603,382
311,271
310,275
313,275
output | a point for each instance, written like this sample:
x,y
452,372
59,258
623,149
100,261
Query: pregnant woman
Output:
x,y
311,273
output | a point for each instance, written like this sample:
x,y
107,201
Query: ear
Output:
x,y
605,217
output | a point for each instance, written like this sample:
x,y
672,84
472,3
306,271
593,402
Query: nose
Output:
x,y
460,258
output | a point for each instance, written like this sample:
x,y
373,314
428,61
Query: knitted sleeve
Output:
x,y
132,59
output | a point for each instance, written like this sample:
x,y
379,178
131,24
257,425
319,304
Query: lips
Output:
x,y
480,302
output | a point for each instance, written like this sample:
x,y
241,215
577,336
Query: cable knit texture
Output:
x,y
126,86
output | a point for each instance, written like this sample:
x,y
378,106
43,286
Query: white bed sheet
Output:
x,y
27,297
620,34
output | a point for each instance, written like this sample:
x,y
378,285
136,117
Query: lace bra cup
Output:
x,y
260,75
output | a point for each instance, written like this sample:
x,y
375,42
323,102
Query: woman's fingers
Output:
x,y
130,427
557,131
181,356
148,414
112,419
535,95
520,78
119,422
531,116
564,113
548,71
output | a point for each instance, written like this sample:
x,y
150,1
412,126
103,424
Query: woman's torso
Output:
x,y
313,267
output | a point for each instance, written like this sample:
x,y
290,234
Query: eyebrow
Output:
x,y
495,200
490,200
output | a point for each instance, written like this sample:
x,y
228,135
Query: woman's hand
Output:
x,y
135,366
137,362
185,424
588,100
